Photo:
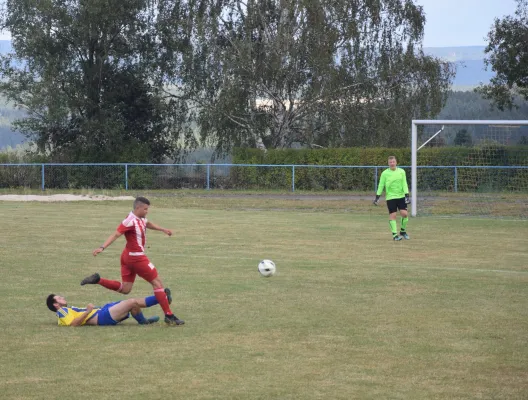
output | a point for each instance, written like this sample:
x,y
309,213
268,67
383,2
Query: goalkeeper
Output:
x,y
394,181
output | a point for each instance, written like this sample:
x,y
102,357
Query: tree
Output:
x,y
85,73
508,57
438,141
318,72
463,138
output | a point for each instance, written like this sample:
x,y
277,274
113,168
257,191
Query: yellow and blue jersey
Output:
x,y
66,315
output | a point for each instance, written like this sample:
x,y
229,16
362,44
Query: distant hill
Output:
x,y
469,61
463,53
5,46
8,114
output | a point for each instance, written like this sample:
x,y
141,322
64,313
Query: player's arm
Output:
x,y
405,188
111,239
80,319
155,227
381,185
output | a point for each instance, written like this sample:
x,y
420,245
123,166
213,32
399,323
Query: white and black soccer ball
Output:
x,y
267,268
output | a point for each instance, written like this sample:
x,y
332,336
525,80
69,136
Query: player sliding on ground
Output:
x,y
109,314
133,259
394,181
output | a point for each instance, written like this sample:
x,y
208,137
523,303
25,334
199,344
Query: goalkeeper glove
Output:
x,y
376,201
407,199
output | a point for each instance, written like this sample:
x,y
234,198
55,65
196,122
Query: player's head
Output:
x,y
141,207
392,162
54,302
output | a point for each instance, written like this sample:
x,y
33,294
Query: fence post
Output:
x,y
42,182
126,176
375,178
456,180
293,178
208,175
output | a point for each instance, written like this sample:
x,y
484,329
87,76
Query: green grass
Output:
x,y
510,205
350,314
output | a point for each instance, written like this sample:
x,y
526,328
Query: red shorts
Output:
x,y
137,265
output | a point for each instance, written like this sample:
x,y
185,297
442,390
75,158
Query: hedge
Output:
x,y
363,178
483,155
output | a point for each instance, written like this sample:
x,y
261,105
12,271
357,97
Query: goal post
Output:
x,y
498,133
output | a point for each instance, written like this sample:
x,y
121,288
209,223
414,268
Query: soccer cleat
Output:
x,y
151,320
91,280
169,295
396,238
173,320
404,235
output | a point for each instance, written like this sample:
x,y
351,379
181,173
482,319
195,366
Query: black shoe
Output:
x,y
169,295
151,320
91,280
396,238
173,320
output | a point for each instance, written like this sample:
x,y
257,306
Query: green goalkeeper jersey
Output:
x,y
394,183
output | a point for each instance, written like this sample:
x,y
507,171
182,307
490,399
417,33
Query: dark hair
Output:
x,y
50,301
141,200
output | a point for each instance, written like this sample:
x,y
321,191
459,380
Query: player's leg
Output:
x,y
150,301
159,292
138,314
165,299
404,219
127,277
394,226
119,311
95,279
393,208
147,271
124,287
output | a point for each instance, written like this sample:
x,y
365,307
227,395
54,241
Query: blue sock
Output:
x,y
140,318
151,301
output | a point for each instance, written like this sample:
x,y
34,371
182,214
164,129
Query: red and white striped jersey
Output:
x,y
135,230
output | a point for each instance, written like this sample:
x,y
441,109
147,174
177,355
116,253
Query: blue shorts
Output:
x,y
103,315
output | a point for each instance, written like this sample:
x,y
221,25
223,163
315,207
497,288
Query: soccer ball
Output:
x,y
267,268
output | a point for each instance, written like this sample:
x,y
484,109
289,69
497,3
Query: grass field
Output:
x,y
350,315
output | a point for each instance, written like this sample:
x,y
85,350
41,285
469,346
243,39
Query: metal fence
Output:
x,y
254,176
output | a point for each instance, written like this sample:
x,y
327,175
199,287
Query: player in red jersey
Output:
x,y
133,259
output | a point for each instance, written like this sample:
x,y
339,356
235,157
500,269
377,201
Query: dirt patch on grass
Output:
x,y
61,197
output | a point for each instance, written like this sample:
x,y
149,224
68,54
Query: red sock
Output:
x,y
162,300
112,285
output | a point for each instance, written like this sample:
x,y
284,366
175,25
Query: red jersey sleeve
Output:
x,y
126,225
123,229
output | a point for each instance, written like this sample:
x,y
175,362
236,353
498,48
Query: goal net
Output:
x,y
473,168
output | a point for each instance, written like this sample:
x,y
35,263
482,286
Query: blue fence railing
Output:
x,y
132,176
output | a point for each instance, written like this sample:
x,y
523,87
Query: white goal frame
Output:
x,y
414,145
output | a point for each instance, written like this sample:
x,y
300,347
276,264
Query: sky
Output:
x,y
461,22
451,22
